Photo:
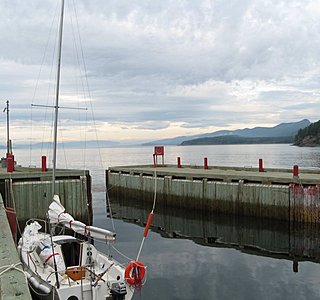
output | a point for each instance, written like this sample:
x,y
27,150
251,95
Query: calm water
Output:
x,y
193,255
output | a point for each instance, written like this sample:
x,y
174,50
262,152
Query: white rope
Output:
x,y
153,207
13,267
110,210
155,189
119,252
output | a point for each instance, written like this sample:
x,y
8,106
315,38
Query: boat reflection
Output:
x,y
264,237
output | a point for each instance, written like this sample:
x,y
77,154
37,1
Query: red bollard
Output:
x,y
205,163
296,171
10,162
179,162
260,165
44,163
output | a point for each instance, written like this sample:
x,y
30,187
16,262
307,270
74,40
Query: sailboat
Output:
x,y
65,267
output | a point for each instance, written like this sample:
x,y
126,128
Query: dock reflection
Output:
x,y
265,237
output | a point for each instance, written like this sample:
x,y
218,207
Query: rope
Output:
x,y
150,215
11,267
123,255
110,210
87,94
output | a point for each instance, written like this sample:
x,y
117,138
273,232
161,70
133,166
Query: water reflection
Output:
x,y
262,237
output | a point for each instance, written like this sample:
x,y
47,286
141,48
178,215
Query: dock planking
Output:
x,y
226,174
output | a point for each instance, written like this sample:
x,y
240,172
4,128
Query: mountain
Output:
x,y
281,130
236,139
308,136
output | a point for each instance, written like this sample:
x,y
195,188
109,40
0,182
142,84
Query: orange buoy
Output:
x,y
134,272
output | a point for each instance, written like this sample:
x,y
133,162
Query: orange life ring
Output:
x,y
134,272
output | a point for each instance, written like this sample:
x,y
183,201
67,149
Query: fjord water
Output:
x,y
184,256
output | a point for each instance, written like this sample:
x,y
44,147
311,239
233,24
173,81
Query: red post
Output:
x,y
205,163
10,162
295,170
179,162
44,163
260,165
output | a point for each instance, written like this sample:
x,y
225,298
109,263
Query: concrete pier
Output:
x,y
274,193
12,282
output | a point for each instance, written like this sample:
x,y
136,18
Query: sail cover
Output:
x,y
57,215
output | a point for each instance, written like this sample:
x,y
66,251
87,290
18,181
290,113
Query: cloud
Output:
x,y
200,64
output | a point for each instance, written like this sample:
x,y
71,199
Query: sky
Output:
x,y
153,69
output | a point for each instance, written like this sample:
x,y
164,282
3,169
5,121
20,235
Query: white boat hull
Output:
x,y
92,275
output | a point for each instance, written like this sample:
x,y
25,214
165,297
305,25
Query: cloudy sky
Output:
x,y
160,68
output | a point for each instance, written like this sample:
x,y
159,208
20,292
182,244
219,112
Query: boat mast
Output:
x,y
6,109
56,108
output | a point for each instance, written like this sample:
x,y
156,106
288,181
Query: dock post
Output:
x,y
10,162
44,163
261,165
205,163
295,171
179,162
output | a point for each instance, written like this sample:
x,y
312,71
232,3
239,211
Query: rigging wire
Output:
x,y
74,23
38,78
91,108
31,137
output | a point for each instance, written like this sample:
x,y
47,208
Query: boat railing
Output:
x,y
40,221
45,225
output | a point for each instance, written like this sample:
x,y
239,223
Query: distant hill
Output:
x,y
236,139
282,130
308,136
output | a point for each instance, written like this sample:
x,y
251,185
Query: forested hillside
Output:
x,y
309,136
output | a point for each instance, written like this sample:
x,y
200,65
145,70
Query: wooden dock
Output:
x,y
273,193
29,191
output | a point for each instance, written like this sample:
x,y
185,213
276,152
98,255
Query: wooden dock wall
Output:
x,y
284,202
32,199
30,193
